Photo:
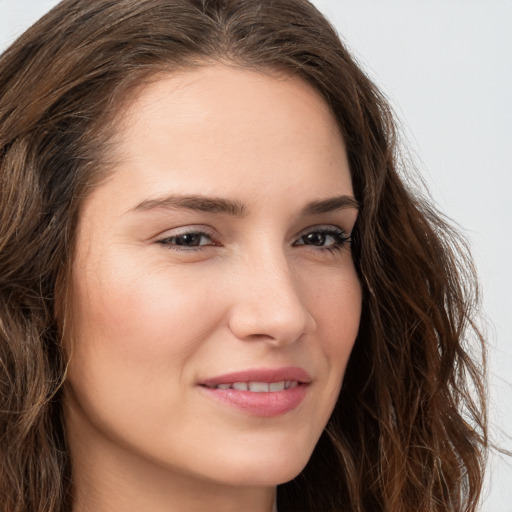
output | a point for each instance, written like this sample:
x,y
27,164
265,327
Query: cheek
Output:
x,y
336,303
137,314
134,335
335,300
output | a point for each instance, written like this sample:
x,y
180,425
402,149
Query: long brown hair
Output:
x,y
408,432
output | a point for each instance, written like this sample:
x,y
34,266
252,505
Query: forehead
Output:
x,y
230,129
226,92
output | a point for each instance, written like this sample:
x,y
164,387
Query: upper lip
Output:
x,y
290,373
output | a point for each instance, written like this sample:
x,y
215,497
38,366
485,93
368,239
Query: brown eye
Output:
x,y
192,240
315,238
326,238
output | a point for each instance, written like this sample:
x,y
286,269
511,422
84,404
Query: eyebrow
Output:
x,y
235,208
330,204
197,203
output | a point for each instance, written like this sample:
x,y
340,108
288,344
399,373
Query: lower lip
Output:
x,y
266,404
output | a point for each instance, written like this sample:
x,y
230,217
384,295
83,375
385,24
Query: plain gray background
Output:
x,y
446,67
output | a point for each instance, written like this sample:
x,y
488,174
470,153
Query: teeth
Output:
x,y
260,387
277,386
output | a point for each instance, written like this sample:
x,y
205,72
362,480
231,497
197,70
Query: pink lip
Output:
x,y
266,404
261,375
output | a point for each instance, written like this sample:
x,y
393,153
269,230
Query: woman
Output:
x,y
214,282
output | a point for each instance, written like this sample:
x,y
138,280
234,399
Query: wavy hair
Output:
x,y
408,432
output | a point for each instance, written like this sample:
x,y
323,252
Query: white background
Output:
x,y
446,67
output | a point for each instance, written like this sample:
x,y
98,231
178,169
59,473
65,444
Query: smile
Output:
x,y
261,392
258,387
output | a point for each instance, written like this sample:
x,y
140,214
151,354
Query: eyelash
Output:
x,y
340,236
170,241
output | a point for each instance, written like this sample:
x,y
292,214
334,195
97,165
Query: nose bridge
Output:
x,y
268,303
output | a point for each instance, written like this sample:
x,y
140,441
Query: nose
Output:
x,y
268,302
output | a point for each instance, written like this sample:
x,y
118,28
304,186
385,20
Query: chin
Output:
x,y
263,471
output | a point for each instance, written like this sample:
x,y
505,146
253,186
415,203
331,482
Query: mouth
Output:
x,y
258,387
260,379
260,392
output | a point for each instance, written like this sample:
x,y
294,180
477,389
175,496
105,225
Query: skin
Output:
x,y
152,319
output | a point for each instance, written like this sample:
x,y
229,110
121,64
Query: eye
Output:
x,y
331,238
187,240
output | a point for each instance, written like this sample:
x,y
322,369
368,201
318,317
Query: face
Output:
x,y
215,300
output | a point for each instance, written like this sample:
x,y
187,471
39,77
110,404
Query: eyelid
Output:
x,y
188,230
185,230
326,228
208,232
344,241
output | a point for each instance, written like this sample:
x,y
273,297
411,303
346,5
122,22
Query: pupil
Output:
x,y
315,238
190,239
